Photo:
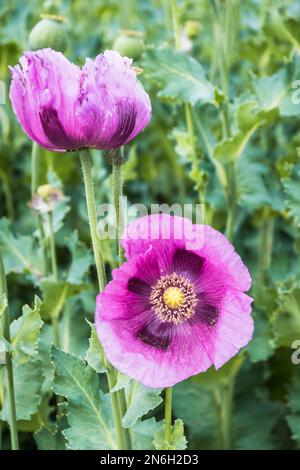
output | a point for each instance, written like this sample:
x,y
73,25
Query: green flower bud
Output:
x,y
49,32
129,44
192,28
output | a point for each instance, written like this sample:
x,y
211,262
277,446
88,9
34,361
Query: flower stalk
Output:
x,y
9,366
220,25
86,164
168,415
117,192
189,122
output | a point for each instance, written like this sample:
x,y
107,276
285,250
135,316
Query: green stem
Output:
x,y
227,415
34,186
86,164
111,378
42,240
222,24
9,366
52,248
231,196
266,245
55,319
117,191
175,22
168,415
56,331
34,168
187,107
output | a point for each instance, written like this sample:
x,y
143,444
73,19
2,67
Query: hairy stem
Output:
x,y
117,192
86,164
9,366
52,248
168,414
266,245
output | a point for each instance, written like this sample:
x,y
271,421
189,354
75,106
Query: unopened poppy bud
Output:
x,y
192,28
129,44
49,32
46,199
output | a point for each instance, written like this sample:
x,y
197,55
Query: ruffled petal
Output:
x,y
62,107
156,230
234,328
43,94
113,105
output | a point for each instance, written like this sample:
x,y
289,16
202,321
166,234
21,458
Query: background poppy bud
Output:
x,y
129,44
192,28
49,32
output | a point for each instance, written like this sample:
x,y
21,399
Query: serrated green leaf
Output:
x,y
20,254
142,400
292,194
178,440
122,382
262,345
81,259
95,354
55,295
27,385
142,434
293,419
47,440
229,150
25,332
257,185
179,77
89,411
286,318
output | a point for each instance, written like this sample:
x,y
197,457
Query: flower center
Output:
x,y
173,299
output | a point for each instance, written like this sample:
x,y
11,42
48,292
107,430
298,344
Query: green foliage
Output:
x,y
95,355
88,409
19,251
24,333
142,400
178,440
27,384
180,78
293,418
81,259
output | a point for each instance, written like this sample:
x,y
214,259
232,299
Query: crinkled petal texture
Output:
x,y
217,323
63,107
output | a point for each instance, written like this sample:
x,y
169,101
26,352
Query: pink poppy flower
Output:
x,y
63,107
177,306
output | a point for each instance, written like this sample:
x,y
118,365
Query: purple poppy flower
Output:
x,y
177,306
63,107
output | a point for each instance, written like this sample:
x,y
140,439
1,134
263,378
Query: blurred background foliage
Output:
x,y
262,59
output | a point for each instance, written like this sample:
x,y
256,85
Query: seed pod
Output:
x,y
129,44
192,28
49,33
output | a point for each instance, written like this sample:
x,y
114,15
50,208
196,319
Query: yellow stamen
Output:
x,y
173,297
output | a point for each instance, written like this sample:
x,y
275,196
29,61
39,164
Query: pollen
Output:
x,y
173,297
